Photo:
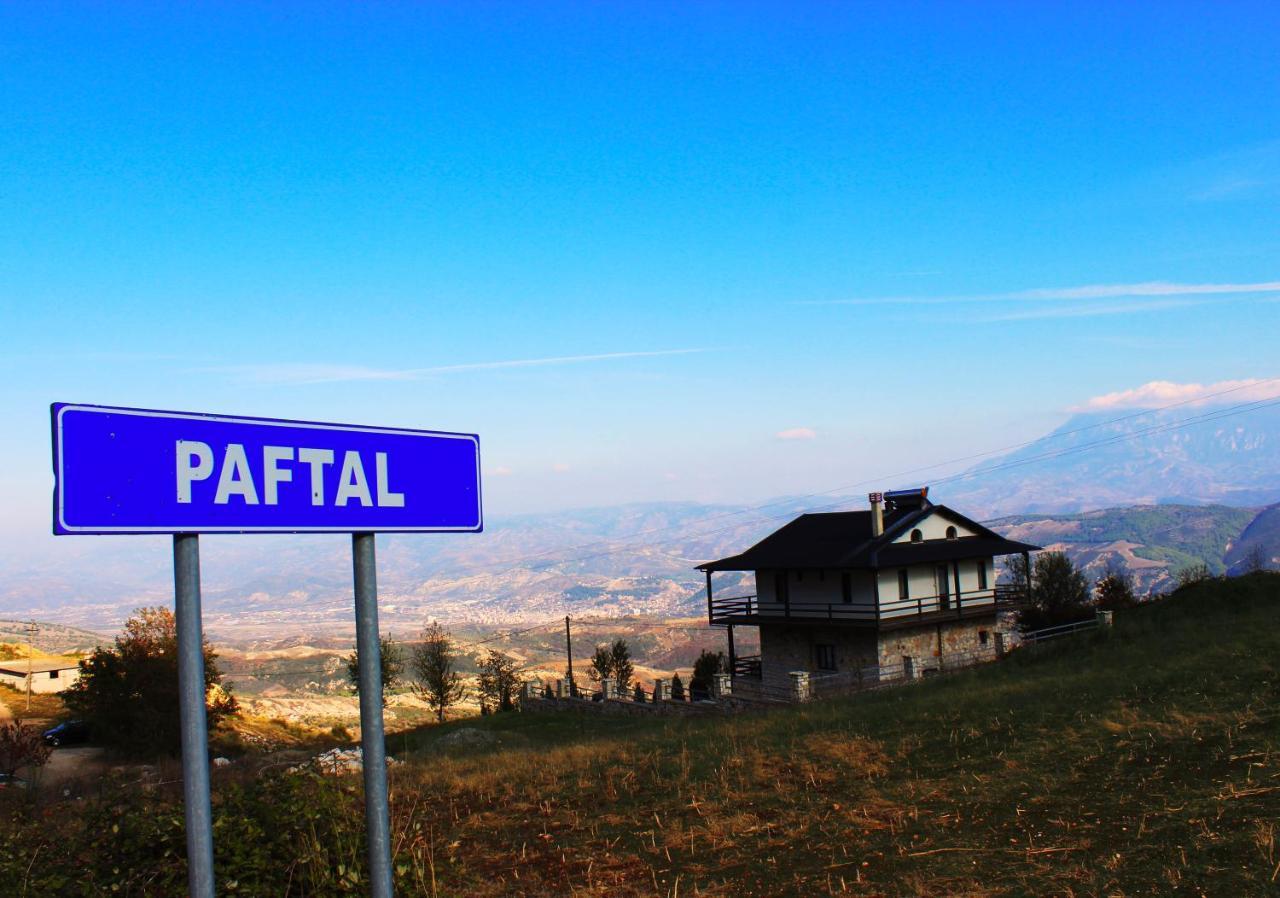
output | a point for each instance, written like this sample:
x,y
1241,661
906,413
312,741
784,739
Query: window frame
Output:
x,y
825,652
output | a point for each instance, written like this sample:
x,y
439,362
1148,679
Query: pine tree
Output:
x,y
435,679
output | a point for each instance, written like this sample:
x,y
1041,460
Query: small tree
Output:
x,y
392,657
21,746
601,664
435,679
1059,593
128,693
620,665
704,670
499,682
677,688
638,695
1115,590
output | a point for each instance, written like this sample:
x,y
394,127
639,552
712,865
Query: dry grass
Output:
x,y
1140,762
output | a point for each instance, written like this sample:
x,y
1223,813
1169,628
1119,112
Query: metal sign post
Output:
x,y
191,710
373,746
123,470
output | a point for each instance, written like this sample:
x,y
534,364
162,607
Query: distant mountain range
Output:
x,y
1171,497
1095,461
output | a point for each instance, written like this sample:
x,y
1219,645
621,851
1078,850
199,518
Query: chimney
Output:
x,y
877,513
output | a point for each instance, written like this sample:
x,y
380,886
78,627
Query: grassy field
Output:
x,y
1144,760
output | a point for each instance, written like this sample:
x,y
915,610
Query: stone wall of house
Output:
x,y
784,649
925,644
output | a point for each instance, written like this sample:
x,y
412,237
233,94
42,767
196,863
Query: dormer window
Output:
x,y
951,533
916,536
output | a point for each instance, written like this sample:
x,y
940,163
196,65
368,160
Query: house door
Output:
x,y
942,576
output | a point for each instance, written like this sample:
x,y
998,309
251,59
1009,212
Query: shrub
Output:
x,y
1059,593
677,688
21,746
129,693
1115,590
704,670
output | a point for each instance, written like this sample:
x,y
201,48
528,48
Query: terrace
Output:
x,y
884,615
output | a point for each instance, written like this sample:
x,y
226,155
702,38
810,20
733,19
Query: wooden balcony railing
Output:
x,y
748,609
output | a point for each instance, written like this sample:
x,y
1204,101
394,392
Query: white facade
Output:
x,y
45,676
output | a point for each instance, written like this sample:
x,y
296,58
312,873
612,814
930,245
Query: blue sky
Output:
x,y
895,233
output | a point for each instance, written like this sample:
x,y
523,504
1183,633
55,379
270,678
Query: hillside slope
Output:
x,y
1142,760
1153,542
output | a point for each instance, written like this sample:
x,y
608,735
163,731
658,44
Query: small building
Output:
x,y
47,674
904,585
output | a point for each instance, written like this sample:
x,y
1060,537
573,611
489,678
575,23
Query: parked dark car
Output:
x,y
73,732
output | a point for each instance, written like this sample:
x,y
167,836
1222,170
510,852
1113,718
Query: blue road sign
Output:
x,y
125,470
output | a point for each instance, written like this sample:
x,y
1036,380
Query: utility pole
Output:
x,y
32,629
568,650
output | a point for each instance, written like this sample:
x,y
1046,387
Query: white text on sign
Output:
x,y
195,462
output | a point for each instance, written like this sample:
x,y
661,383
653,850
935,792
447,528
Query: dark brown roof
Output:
x,y
843,540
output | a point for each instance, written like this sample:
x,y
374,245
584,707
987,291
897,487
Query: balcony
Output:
x,y
888,615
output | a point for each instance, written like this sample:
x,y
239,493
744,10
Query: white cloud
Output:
x,y
1085,292
797,433
560,467
1088,310
321,373
500,471
1164,392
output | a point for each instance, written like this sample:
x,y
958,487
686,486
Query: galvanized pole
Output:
x,y
191,709
372,739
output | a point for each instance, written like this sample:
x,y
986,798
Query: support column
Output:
x,y
191,712
733,657
709,614
372,736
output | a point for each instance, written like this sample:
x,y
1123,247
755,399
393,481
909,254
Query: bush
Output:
x,y
704,670
677,688
21,746
1115,590
129,693
1059,593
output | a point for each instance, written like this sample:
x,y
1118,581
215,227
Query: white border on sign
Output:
x,y
269,422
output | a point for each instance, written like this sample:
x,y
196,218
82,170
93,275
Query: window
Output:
x,y
904,589
916,536
824,657
799,576
53,675
846,588
982,637
781,588
952,533
982,574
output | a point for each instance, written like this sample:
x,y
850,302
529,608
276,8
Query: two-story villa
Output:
x,y
845,591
